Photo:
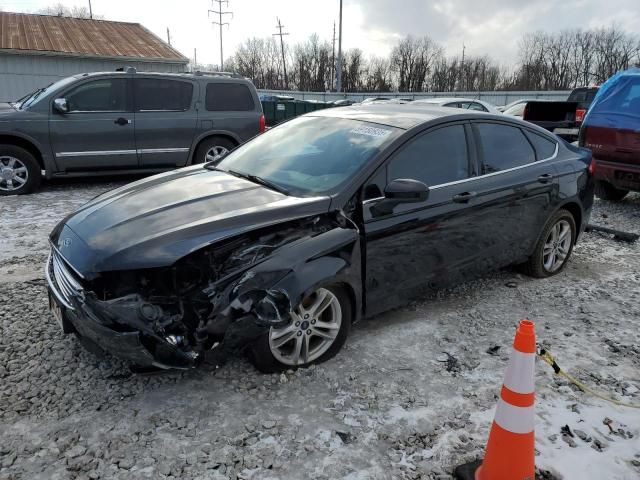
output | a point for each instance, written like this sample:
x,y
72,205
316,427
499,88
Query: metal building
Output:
x,y
36,50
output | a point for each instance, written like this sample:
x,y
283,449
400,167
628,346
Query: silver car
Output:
x,y
464,103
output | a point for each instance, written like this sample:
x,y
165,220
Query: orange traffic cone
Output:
x,y
510,448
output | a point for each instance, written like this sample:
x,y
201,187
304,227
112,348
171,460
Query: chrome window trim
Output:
x,y
456,182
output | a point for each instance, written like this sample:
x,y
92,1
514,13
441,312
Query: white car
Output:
x,y
465,103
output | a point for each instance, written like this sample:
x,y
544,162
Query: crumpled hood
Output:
x,y
158,220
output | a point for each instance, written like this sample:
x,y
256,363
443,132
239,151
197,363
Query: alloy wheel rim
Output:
x,y
13,173
313,328
214,153
557,246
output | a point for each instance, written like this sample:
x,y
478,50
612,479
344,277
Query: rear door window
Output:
x,y
229,97
434,158
503,147
104,95
158,94
544,147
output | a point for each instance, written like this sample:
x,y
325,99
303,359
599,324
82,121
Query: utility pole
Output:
x,y
464,48
90,11
195,59
220,23
284,62
333,57
339,65
168,36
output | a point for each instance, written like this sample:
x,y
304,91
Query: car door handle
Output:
x,y
546,178
464,197
122,121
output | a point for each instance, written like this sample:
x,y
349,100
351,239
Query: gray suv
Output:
x,y
123,122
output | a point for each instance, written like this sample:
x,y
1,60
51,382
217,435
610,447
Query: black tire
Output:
x,y
33,171
606,191
263,359
535,265
201,152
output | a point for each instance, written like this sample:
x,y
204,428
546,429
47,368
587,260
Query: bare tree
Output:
x,y
61,10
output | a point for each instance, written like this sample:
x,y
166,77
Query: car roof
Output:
x,y
404,116
446,100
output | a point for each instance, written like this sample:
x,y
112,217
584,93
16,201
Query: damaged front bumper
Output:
x,y
130,327
78,312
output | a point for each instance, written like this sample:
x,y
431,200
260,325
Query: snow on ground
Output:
x,y
411,396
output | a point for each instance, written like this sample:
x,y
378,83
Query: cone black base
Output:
x,y
467,471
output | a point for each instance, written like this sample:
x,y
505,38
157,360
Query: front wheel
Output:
x,y
316,331
19,171
554,247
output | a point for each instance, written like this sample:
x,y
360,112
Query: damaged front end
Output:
x,y
213,301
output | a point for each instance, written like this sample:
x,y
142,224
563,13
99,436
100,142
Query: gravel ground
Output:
x,y
411,396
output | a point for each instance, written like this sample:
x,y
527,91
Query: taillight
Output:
x,y
580,113
263,124
592,166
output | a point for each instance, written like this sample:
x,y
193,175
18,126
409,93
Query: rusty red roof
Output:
x,y
82,37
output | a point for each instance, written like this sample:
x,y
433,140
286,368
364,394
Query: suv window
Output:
x,y
228,97
517,110
476,106
544,147
158,94
434,158
503,147
105,95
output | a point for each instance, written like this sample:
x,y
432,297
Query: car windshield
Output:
x,y
32,98
309,155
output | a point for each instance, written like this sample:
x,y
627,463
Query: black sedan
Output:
x,y
278,247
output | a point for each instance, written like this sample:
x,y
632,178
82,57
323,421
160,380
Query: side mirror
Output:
x,y
401,190
61,105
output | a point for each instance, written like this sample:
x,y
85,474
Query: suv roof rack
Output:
x,y
200,73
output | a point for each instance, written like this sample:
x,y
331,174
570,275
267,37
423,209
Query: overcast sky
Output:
x,y
485,26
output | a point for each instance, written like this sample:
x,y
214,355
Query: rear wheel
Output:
x,y
606,191
316,331
213,149
19,171
554,247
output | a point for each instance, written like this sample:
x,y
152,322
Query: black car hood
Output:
x,y
156,221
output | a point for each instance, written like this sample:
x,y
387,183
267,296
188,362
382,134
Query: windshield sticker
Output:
x,y
371,131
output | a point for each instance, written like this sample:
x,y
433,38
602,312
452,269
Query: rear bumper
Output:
x,y
621,175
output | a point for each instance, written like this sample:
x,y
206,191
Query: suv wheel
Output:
x,y
19,171
317,330
212,149
554,247
606,191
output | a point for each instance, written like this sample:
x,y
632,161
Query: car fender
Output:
x,y
47,159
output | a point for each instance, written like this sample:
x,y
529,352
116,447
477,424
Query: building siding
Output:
x,y
21,74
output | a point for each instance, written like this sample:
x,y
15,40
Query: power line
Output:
x,y
284,62
220,23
